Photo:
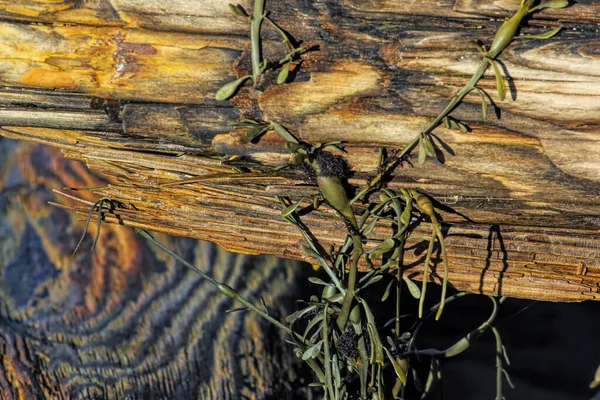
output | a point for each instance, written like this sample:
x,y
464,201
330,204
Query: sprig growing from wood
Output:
x,y
504,36
259,63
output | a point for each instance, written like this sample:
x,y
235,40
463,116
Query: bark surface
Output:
x,y
128,88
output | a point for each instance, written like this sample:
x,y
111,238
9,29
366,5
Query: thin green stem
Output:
x,y
224,289
284,36
425,273
290,56
457,99
292,218
257,18
499,364
327,361
399,271
351,288
440,237
384,170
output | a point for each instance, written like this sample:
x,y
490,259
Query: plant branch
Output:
x,y
223,288
256,55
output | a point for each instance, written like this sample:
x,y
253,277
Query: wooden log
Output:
x,y
520,192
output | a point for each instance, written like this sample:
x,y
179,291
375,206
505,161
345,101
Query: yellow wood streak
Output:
x,y
345,80
115,62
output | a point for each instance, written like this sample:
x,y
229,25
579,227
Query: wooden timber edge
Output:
x,y
129,90
240,213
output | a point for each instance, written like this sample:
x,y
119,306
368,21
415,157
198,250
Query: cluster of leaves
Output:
x,y
342,311
337,334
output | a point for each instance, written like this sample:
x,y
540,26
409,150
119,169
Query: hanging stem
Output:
x,y
327,354
399,272
350,290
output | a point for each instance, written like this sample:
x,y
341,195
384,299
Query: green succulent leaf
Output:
x,y
335,146
284,133
544,35
313,351
376,344
232,310
228,90
289,210
400,373
318,281
382,248
337,377
422,152
290,319
550,4
369,228
429,149
371,281
462,127
238,10
313,322
245,122
483,103
388,289
456,124
253,133
309,252
499,80
432,378
283,74
405,216
412,287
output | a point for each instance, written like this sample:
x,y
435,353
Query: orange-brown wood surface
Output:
x,y
128,87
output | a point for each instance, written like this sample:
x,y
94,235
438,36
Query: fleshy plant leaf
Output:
x,y
422,152
483,103
550,4
499,79
238,10
543,35
289,210
284,73
284,133
228,90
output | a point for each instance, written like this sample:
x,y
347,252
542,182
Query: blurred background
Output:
x,y
127,322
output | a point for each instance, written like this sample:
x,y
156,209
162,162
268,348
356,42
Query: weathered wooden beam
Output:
x,y
520,191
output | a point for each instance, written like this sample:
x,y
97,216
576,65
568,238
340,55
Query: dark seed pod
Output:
x,y
333,191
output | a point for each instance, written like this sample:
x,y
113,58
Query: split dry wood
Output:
x,y
520,191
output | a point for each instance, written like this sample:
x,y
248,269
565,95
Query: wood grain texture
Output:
x,y
382,70
126,322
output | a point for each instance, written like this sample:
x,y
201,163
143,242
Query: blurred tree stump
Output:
x,y
126,321
128,88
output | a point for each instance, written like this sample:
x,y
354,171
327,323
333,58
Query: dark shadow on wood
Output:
x,y
494,233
